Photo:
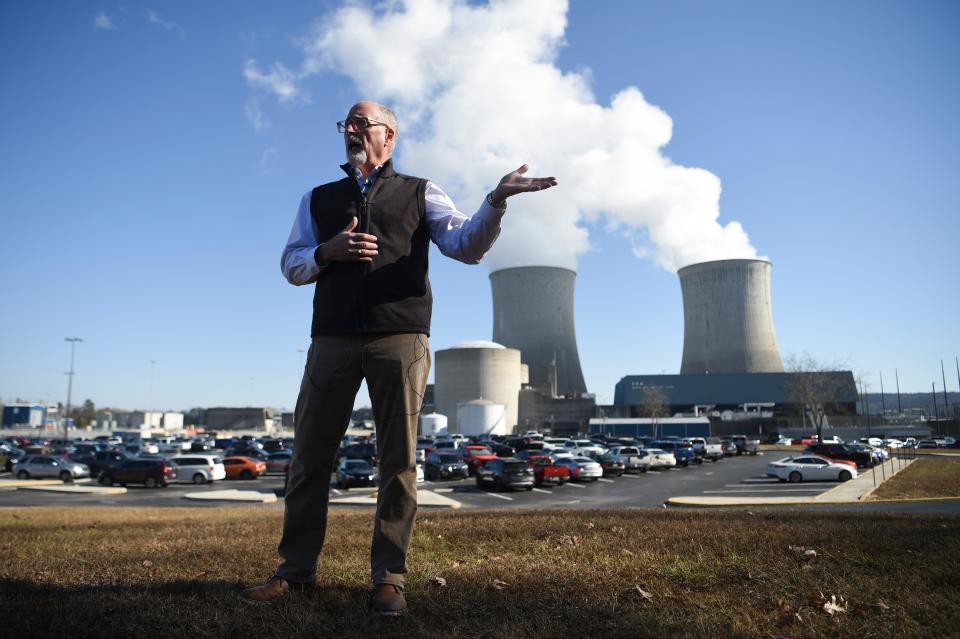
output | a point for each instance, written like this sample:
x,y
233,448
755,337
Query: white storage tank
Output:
x,y
433,424
477,370
482,417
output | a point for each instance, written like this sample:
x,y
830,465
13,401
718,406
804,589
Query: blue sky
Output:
x,y
142,210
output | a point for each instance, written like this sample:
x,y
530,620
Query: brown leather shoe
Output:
x,y
273,589
388,601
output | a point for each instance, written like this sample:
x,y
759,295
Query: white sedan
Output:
x,y
658,457
810,468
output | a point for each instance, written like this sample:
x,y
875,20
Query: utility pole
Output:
x,y
883,402
936,410
946,404
900,408
66,417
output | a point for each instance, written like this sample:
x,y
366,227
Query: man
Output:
x,y
363,241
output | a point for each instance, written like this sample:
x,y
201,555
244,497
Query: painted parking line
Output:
x,y
443,490
541,490
633,476
573,485
607,481
575,501
500,496
335,491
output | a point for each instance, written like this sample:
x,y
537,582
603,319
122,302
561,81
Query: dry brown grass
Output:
x,y
924,478
131,572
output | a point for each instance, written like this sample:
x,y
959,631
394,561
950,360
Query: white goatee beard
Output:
x,y
356,157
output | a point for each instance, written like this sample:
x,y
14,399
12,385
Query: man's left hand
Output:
x,y
514,182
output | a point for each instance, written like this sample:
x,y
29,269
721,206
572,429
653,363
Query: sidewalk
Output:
x,y
425,499
853,491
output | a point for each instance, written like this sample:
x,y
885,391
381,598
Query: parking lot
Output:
x,y
733,476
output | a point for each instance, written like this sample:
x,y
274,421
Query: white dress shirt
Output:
x,y
463,238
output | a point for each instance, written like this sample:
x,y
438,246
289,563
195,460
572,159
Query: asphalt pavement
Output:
x,y
731,481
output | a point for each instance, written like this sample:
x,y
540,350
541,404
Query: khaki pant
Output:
x,y
395,366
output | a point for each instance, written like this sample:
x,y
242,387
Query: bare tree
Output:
x,y
655,405
816,386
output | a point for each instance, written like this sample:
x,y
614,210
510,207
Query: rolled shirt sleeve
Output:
x,y
298,262
463,238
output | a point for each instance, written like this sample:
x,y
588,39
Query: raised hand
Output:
x,y
514,182
347,246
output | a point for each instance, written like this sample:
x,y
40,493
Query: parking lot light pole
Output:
x,y
66,418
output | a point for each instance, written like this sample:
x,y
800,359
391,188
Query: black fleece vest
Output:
x,y
391,294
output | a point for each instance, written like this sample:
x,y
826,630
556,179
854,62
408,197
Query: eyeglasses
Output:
x,y
359,124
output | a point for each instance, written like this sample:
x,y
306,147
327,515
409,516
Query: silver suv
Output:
x,y
36,466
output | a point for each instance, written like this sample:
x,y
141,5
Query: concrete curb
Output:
x,y
14,484
233,495
78,490
425,499
854,491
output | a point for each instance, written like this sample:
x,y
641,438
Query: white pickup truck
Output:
x,y
707,448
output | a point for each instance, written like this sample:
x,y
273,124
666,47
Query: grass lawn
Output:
x,y
129,572
926,477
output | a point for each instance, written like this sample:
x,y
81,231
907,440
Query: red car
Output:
x,y
545,471
149,472
475,456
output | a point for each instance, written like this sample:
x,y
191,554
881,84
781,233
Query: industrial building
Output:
x,y
770,394
239,419
477,371
24,415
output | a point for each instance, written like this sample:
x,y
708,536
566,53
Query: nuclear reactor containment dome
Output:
x,y
728,319
533,312
477,370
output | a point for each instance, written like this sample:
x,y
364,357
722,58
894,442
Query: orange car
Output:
x,y
243,467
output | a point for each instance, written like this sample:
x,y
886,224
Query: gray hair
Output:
x,y
390,119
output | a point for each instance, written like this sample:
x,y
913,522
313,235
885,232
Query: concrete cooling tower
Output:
x,y
727,318
477,370
533,312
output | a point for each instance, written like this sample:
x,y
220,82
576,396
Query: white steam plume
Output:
x,y
478,92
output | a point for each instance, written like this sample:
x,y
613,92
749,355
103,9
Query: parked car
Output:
x,y
100,460
712,448
584,447
39,466
863,459
809,468
582,468
200,469
927,443
367,452
729,448
355,472
546,471
278,462
681,450
500,450
746,446
611,465
444,466
658,458
505,472
244,467
149,472
475,456
633,460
